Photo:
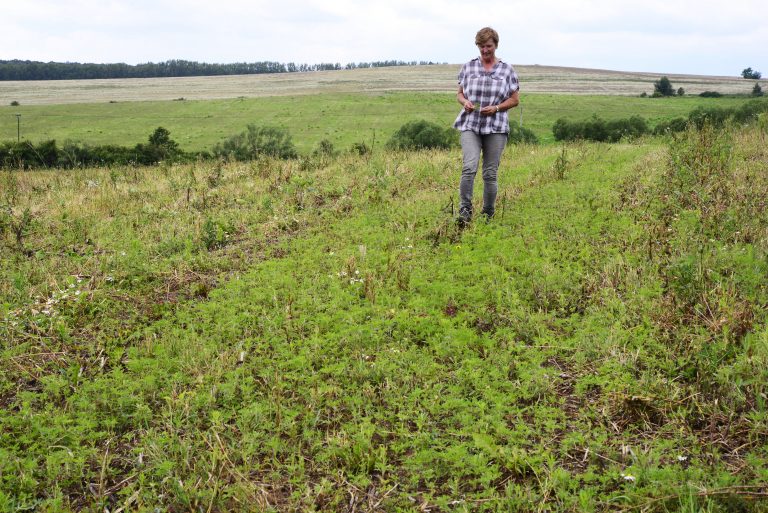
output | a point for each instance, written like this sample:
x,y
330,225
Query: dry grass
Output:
x,y
438,78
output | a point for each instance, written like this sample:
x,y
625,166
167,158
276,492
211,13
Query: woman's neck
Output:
x,y
491,62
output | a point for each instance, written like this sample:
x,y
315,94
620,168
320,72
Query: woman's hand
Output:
x,y
489,110
468,106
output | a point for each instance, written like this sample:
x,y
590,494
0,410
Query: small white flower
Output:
x,y
628,478
682,458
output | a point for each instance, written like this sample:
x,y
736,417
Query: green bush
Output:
x,y
324,148
420,135
521,135
750,111
360,148
600,130
256,142
102,155
27,155
714,116
710,94
673,125
160,147
663,87
47,154
750,73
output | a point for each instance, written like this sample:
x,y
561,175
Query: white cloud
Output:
x,y
654,35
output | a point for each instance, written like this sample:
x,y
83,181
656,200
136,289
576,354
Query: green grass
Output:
x,y
320,336
343,119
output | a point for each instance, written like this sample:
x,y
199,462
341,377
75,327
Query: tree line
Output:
x,y
36,70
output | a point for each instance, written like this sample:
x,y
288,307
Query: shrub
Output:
x,y
107,155
161,147
631,128
710,94
255,142
673,125
47,154
715,117
663,87
419,135
360,148
757,90
709,115
750,111
750,73
324,148
15,103
26,155
563,130
597,129
521,135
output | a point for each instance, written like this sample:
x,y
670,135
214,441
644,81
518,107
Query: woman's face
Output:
x,y
487,49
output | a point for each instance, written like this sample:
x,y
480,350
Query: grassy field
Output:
x,y
319,335
436,78
277,336
344,107
343,119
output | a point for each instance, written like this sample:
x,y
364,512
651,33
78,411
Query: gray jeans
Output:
x,y
492,146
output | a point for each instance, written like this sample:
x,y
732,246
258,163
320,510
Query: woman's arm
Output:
x,y
511,102
468,105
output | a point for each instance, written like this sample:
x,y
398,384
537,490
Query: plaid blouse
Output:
x,y
484,88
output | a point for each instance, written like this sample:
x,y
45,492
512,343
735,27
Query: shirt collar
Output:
x,y
479,61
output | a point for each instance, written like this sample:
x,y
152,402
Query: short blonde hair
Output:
x,y
486,34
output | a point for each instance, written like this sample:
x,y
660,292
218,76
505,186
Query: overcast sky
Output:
x,y
665,36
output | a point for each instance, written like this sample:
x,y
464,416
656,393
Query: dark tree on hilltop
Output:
x,y
663,87
749,73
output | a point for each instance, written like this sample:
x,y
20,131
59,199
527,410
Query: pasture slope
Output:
x,y
318,335
440,78
343,107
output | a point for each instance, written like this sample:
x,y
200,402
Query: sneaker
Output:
x,y
465,216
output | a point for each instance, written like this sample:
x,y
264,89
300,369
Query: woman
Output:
x,y
488,88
